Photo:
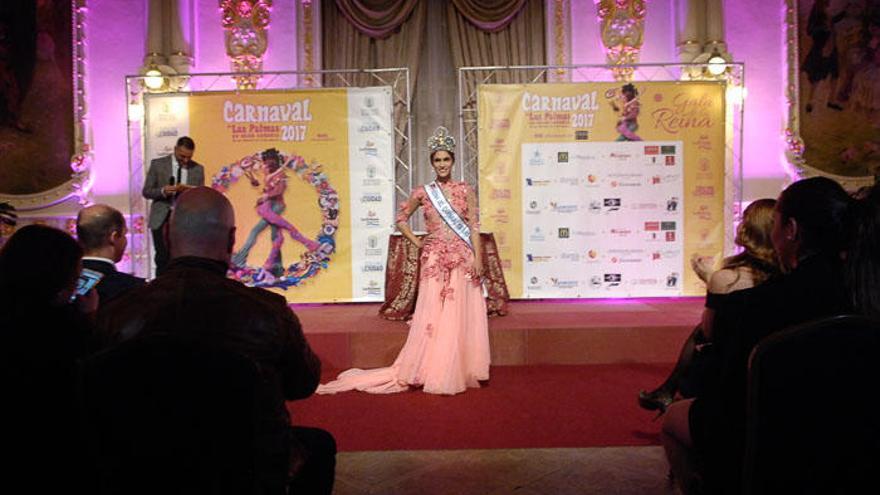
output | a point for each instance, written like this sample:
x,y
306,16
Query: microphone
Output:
x,y
171,182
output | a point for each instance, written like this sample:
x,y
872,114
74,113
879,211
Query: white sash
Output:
x,y
448,213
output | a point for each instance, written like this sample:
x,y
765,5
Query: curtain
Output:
x,y
344,46
435,101
376,18
521,42
436,39
489,15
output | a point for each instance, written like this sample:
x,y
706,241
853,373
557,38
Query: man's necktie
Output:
x,y
179,172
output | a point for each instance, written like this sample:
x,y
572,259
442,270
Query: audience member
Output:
x,y
703,437
863,255
194,297
754,265
42,336
101,231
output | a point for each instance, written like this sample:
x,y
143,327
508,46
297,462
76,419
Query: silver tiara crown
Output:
x,y
441,141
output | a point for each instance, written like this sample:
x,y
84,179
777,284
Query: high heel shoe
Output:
x,y
658,400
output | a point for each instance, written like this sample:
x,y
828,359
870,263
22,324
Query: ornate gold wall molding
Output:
x,y
558,38
246,37
795,146
623,30
308,34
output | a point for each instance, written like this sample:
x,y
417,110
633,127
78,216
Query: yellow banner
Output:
x,y
647,128
299,244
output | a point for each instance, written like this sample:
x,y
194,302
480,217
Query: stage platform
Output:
x,y
597,331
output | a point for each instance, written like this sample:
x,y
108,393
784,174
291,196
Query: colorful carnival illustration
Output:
x,y
268,171
625,103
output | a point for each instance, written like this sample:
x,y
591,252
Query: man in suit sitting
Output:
x,y
194,298
167,177
102,233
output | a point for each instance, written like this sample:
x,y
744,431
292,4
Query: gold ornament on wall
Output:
x,y
559,40
246,24
308,41
623,30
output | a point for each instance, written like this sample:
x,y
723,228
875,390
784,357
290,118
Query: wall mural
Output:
x,y
44,153
834,86
36,114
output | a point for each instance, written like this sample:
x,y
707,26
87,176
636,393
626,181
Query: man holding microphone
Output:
x,y
167,177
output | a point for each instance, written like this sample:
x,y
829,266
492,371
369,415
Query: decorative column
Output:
x,y
308,33
155,23
715,29
246,23
623,30
689,17
168,50
558,38
700,30
179,53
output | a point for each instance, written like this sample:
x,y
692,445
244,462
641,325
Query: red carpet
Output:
x,y
522,407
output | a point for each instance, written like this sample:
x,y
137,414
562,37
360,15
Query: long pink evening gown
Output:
x,y
447,349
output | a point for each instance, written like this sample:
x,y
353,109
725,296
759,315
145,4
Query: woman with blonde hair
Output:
x,y
755,264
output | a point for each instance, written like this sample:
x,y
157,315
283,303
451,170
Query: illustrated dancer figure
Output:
x,y
270,205
629,109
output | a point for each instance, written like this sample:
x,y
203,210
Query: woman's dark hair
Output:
x,y
451,153
629,88
821,208
272,153
863,255
754,236
37,263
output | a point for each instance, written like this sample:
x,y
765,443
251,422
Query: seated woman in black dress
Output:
x,y
703,437
754,265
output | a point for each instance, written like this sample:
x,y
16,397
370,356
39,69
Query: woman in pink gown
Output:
x,y
447,349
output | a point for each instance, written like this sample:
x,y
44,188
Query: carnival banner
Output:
x,y
603,189
310,174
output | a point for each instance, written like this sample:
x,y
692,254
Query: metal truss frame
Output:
x,y
135,89
733,76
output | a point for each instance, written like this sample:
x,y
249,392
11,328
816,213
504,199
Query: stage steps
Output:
x,y
598,331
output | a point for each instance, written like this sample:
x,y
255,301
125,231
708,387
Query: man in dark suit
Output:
x,y
101,231
167,177
194,298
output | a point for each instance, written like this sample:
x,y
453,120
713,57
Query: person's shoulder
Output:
x,y
728,280
134,280
123,306
724,280
256,294
99,266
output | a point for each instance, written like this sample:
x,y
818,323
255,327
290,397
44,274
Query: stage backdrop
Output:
x,y
586,200
316,228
